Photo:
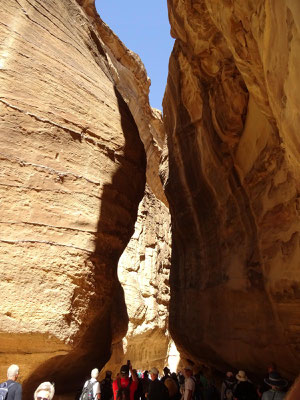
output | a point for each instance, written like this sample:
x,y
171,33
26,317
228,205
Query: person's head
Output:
x,y
124,371
272,367
45,391
174,376
153,373
230,377
187,371
13,372
145,375
241,376
166,371
275,381
94,373
108,374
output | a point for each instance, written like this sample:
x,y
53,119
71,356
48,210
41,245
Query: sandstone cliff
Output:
x,y
143,271
232,182
72,175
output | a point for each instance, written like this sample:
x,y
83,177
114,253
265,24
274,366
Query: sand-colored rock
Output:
x,y
72,175
131,80
143,271
232,182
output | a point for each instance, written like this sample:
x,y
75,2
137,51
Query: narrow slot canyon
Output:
x,y
127,233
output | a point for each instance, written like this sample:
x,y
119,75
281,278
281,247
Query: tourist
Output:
x,y
189,383
263,387
157,390
172,388
106,387
45,391
125,387
11,386
174,377
166,374
245,389
139,390
228,386
145,385
91,386
276,384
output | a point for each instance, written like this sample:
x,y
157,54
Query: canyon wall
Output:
x,y
232,181
73,172
143,271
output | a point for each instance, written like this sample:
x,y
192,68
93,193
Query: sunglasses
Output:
x,y
42,398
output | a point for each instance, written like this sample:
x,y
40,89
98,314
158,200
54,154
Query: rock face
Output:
x,y
232,182
72,175
143,271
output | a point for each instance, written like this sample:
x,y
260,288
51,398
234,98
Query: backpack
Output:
x,y
4,390
87,391
123,391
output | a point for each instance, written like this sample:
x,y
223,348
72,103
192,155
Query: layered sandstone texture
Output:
x,y
143,271
73,107
231,111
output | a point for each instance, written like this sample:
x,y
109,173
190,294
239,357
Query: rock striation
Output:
x,y
232,182
72,176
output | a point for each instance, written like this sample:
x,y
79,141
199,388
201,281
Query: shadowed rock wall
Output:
x,y
72,175
232,182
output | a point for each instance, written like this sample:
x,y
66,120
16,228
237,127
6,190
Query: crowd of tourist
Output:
x,y
131,384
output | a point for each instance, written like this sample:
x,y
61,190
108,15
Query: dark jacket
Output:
x,y
14,391
157,391
245,391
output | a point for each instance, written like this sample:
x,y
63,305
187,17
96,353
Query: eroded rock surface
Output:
x,y
232,181
143,271
72,175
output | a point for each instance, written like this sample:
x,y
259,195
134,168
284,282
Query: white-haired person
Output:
x,y
14,389
45,391
91,388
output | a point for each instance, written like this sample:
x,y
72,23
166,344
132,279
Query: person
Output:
x,y
166,374
244,389
45,391
189,383
157,390
172,388
145,385
228,386
14,389
263,387
123,387
276,384
139,390
92,385
106,387
174,377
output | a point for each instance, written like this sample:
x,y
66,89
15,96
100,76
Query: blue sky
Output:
x,y
143,26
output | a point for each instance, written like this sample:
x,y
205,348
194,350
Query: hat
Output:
x,y
275,380
124,370
241,376
154,371
188,368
